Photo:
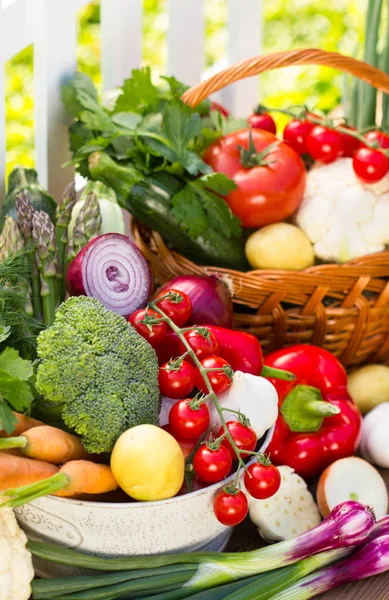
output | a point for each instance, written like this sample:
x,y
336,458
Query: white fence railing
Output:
x,y
50,25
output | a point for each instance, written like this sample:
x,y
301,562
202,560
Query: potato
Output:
x,y
369,386
148,463
280,246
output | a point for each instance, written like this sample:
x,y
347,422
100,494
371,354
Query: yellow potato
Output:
x,y
369,386
280,246
148,463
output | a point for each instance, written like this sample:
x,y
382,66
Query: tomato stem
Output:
x,y
211,393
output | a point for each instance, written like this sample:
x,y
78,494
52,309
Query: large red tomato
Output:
x,y
268,191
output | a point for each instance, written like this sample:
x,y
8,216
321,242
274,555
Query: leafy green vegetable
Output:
x,y
150,129
15,390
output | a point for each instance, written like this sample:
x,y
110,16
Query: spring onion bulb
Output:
x,y
371,559
112,269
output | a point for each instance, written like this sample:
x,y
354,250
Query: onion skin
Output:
x,y
79,278
210,297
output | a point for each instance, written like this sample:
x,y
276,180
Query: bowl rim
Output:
x,y
118,505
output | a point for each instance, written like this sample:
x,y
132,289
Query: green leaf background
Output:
x,y
333,25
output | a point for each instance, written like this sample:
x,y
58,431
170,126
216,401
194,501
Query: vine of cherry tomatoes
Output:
x,y
211,458
325,144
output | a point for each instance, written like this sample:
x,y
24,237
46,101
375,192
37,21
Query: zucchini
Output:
x,y
149,201
25,181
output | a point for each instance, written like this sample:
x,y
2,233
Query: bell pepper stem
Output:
x,y
305,410
320,408
273,373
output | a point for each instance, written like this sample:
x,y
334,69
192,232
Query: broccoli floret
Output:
x,y
101,372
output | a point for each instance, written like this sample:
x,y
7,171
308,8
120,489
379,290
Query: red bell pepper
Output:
x,y
318,421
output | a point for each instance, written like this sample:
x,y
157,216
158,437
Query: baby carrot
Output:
x,y
17,470
24,423
73,479
47,443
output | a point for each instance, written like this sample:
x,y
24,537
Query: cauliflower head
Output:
x,y
343,217
100,372
16,570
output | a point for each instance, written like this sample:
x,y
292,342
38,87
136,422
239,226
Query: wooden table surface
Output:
x,y
245,537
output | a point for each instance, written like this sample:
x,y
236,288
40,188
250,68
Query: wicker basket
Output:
x,y
342,308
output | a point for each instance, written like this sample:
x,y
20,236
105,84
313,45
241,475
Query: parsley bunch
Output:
x,y
149,129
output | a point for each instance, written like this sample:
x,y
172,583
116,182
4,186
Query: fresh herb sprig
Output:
x,y
149,129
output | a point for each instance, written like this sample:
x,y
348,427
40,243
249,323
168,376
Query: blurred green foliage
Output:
x,y
331,25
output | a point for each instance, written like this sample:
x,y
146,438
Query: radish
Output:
x,y
291,511
352,478
112,269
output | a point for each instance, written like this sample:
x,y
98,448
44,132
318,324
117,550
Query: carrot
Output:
x,y
17,470
24,423
74,479
47,443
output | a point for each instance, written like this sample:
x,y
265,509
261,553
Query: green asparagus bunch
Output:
x,y
63,216
87,227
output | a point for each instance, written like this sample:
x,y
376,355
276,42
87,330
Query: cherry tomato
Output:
x,y
244,437
295,133
169,349
212,466
230,509
350,143
263,121
178,382
262,481
153,333
325,145
202,341
219,380
186,422
178,308
378,136
187,446
370,165
265,193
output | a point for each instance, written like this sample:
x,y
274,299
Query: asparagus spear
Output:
x,y
43,234
87,227
25,212
63,216
11,242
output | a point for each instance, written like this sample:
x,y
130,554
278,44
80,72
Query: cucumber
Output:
x,y
149,201
23,180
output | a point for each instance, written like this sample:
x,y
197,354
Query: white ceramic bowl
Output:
x,y
182,523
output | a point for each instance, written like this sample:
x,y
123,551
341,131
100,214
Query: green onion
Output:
x,y
367,93
47,589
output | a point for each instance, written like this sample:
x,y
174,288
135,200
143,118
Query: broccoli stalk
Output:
x,y
63,216
99,371
43,234
87,227
25,212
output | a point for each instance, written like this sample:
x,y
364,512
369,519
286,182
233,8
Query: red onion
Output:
x,y
113,270
210,297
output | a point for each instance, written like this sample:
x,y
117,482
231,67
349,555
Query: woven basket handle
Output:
x,y
276,60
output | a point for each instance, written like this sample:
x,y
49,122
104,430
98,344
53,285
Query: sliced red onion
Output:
x,y
210,297
112,269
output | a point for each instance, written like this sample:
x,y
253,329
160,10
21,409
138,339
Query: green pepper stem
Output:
x,y
273,373
320,408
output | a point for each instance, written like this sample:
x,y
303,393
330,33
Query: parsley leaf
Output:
x,y
15,373
189,211
75,91
197,208
180,127
139,93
